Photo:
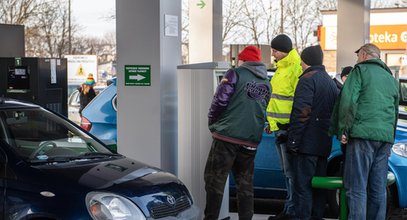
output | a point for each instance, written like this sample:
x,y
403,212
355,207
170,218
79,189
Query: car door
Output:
x,y
3,165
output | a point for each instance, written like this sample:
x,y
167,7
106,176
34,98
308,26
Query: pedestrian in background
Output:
x,y
283,86
86,92
367,117
344,74
308,139
236,119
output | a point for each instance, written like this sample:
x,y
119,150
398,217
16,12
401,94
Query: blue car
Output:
x,y
269,180
99,116
51,169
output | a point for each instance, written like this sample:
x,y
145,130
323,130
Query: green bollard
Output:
x,y
333,183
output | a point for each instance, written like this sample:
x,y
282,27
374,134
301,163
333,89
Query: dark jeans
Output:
x,y
224,157
365,178
285,163
309,203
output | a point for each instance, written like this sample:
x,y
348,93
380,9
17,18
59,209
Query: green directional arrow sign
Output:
x,y
137,75
201,4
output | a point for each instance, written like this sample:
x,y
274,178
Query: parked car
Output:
x,y
99,116
52,169
269,180
74,104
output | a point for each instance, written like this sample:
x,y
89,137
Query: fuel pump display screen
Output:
x,y
20,71
18,79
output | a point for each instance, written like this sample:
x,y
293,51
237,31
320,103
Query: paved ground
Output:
x,y
263,208
233,216
266,207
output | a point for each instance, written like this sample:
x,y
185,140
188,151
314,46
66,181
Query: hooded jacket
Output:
x,y
237,112
283,86
368,104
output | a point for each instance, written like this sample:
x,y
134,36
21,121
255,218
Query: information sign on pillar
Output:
x,y
137,75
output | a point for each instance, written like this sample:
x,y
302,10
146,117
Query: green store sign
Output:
x,y
137,75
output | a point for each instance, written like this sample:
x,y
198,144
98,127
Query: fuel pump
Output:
x,y
39,80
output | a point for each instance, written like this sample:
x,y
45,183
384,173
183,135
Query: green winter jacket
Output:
x,y
368,104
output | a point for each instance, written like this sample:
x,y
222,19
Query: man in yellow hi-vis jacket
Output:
x,y
283,86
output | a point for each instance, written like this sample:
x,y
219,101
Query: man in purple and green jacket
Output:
x,y
236,120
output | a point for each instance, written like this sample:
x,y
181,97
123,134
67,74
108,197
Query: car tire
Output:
x,y
333,196
333,199
393,211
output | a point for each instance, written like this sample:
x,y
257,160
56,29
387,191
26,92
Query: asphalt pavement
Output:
x,y
263,208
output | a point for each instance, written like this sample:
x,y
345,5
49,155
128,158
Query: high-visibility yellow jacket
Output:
x,y
283,86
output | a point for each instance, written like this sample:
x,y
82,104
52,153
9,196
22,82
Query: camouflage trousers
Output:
x,y
223,158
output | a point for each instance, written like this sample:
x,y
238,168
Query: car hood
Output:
x,y
146,186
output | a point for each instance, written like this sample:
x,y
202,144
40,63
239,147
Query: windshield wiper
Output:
x,y
51,160
89,155
96,155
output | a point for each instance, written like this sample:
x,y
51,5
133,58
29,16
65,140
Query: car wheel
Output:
x,y
333,196
333,199
393,211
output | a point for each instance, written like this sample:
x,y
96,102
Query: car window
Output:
x,y
39,135
403,91
74,98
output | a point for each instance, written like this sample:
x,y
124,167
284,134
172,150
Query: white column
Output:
x,y
205,31
353,30
148,33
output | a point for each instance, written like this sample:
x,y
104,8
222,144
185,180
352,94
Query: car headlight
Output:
x,y
103,205
400,149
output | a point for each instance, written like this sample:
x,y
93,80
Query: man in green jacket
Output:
x,y
366,122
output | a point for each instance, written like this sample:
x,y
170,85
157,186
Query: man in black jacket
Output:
x,y
308,138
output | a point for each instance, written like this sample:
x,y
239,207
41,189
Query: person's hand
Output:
x,y
292,151
267,129
344,139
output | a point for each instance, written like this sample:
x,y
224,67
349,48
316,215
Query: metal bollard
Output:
x,y
333,183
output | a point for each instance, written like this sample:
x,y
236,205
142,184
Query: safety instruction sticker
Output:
x,y
137,75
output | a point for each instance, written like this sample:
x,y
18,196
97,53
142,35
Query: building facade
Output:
x,y
388,31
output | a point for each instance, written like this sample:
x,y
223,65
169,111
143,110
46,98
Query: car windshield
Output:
x,y
39,136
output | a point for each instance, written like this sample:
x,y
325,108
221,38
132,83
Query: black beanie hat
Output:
x,y
282,43
346,71
312,56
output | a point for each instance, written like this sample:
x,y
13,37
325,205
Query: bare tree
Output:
x,y
231,18
18,11
270,19
45,21
52,25
302,21
185,31
104,48
328,4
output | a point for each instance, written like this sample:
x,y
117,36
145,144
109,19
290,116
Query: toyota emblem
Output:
x,y
171,199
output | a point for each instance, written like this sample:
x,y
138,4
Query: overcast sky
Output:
x,y
91,16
